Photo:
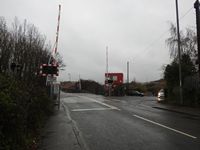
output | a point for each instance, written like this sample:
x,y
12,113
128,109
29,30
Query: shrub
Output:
x,y
23,109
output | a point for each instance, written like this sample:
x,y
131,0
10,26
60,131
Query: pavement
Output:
x,y
61,132
178,109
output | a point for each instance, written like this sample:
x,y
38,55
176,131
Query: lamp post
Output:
x,y
127,76
196,6
179,54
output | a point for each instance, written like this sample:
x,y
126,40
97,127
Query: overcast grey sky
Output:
x,y
131,29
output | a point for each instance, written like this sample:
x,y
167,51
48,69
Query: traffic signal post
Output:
x,y
50,71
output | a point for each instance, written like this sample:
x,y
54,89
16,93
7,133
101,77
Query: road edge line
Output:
x,y
166,127
77,132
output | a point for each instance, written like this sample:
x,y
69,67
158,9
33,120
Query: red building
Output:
x,y
115,78
114,84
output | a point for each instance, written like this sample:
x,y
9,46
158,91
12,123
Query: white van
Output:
x,y
161,95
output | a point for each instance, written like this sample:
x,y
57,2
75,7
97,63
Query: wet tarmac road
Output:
x,y
130,123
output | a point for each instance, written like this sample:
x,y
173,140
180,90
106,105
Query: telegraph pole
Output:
x,y
196,6
179,54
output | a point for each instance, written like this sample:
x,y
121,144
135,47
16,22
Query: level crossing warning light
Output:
x,y
49,69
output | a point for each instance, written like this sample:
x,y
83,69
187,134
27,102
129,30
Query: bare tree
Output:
x,y
188,42
24,46
5,46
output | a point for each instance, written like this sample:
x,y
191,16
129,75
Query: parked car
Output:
x,y
135,93
161,95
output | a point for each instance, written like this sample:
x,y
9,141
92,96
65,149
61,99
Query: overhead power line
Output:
x,y
185,14
162,35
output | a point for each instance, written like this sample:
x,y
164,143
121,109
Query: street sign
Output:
x,y
51,79
56,88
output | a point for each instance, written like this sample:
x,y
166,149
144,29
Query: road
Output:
x,y
129,123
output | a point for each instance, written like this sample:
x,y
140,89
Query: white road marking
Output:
x,y
180,132
92,109
107,105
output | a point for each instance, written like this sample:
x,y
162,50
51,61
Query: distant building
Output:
x,y
114,84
